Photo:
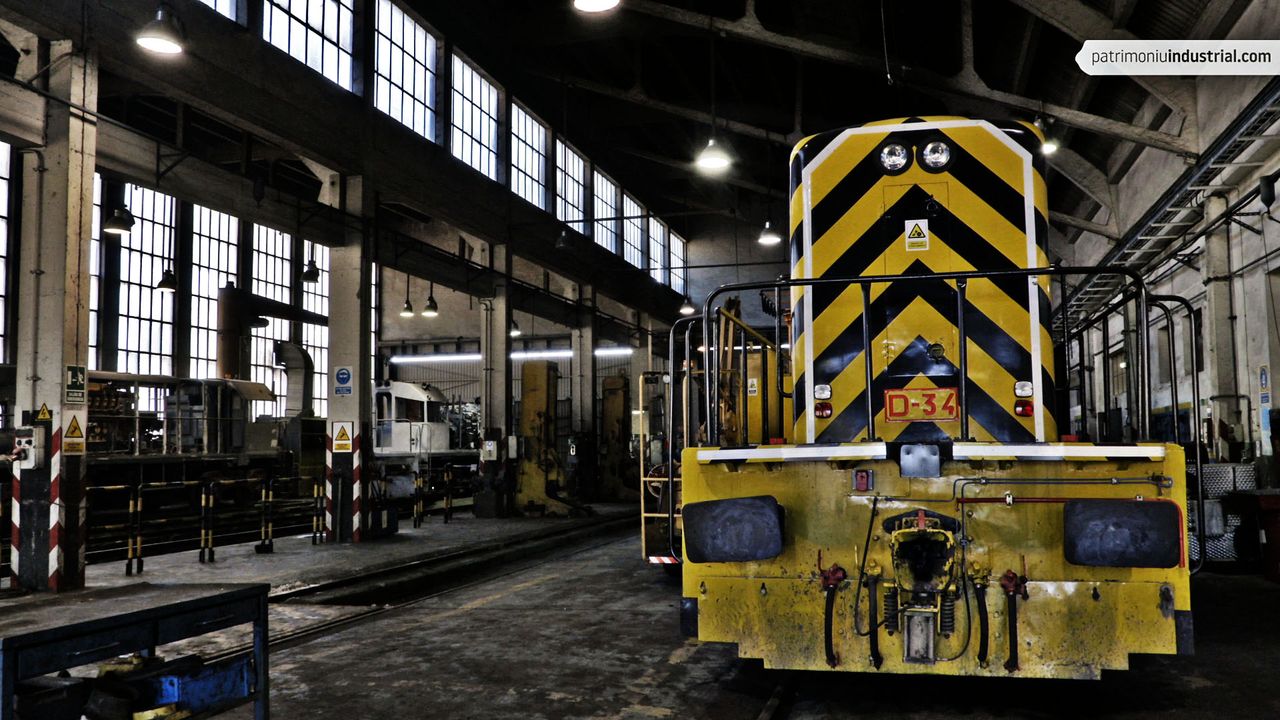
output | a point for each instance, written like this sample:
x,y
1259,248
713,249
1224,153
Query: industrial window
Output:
x,y
225,7
606,212
405,70
6,156
316,32
315,338
475,119
1119,374
571,187
528,157
1164,360
677,262
632,231
272,274
146,314
214,258
657,249
95,271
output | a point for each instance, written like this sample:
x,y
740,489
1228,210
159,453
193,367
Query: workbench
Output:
x,y
43,634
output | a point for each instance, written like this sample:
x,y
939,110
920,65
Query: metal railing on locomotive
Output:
x,y
1137,293
683,378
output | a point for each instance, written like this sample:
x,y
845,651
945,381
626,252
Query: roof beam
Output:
x,y
1082,22
1086,176
636,96
1105,231
749,29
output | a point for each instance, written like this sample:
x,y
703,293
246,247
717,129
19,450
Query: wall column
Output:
x,y
53,330
493,498
1219,332
350,407
583,342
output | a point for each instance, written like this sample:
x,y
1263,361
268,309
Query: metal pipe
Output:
x,y
1173,382
1086,390
744,416
1198,429
1106,378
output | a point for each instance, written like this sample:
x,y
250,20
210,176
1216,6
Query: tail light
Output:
x,y
1024,408
822,410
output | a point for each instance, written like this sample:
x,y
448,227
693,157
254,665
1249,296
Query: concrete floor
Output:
x,y
594,635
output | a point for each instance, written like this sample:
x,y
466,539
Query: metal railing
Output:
x,y
961,281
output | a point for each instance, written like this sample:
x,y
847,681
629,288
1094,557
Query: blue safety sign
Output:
x,y
342,384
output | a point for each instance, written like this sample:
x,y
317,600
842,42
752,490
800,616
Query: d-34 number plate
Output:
x,y
913,404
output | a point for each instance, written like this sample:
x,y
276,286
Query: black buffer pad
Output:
x,y
734,530
1122,533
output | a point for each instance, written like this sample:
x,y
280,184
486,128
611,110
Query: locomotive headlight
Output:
x,y
822,392
1023,389
935,154
894,157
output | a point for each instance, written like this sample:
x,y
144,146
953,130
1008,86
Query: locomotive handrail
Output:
x,y
866,281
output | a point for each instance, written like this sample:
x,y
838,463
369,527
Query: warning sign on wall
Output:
x,y
342,433
73,437
916,233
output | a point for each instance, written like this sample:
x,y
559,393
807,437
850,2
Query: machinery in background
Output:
x,y
541,480
617,465
426,448
160,449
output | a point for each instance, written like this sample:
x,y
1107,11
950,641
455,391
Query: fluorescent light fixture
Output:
x,y
594,6
615,352
163,35
713,160
541,354
431,359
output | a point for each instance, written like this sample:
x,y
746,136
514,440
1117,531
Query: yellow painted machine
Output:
x,y
541,483
921,514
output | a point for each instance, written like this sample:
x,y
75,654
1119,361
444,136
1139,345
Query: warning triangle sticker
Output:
x,y
44,413
342,435
73,430
916,233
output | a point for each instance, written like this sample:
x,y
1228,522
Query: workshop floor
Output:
x,y
594,635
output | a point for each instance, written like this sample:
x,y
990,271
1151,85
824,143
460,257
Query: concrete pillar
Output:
x,y
583,342
495,350
493,498
53,330
1219,332
348,438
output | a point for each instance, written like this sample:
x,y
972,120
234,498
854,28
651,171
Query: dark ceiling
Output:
x,y
633,89
570,68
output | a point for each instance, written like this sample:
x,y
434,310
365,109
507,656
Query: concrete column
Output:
x,y
494,497
1219,332
53,330
495,350
350,408
583,341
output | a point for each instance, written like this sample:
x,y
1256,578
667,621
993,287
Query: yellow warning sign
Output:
x,y
44,413
917,235
342,432
73,442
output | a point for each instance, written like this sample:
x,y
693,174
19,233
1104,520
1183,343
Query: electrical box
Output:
x,y
28,447
489,451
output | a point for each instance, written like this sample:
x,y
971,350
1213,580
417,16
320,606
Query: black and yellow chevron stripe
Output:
x,y
847,219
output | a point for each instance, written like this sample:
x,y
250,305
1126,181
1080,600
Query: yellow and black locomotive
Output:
x,y
920,513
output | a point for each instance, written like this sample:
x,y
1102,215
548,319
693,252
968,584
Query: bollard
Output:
x,y
266,544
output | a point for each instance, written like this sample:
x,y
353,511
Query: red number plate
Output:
x,y
914,404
